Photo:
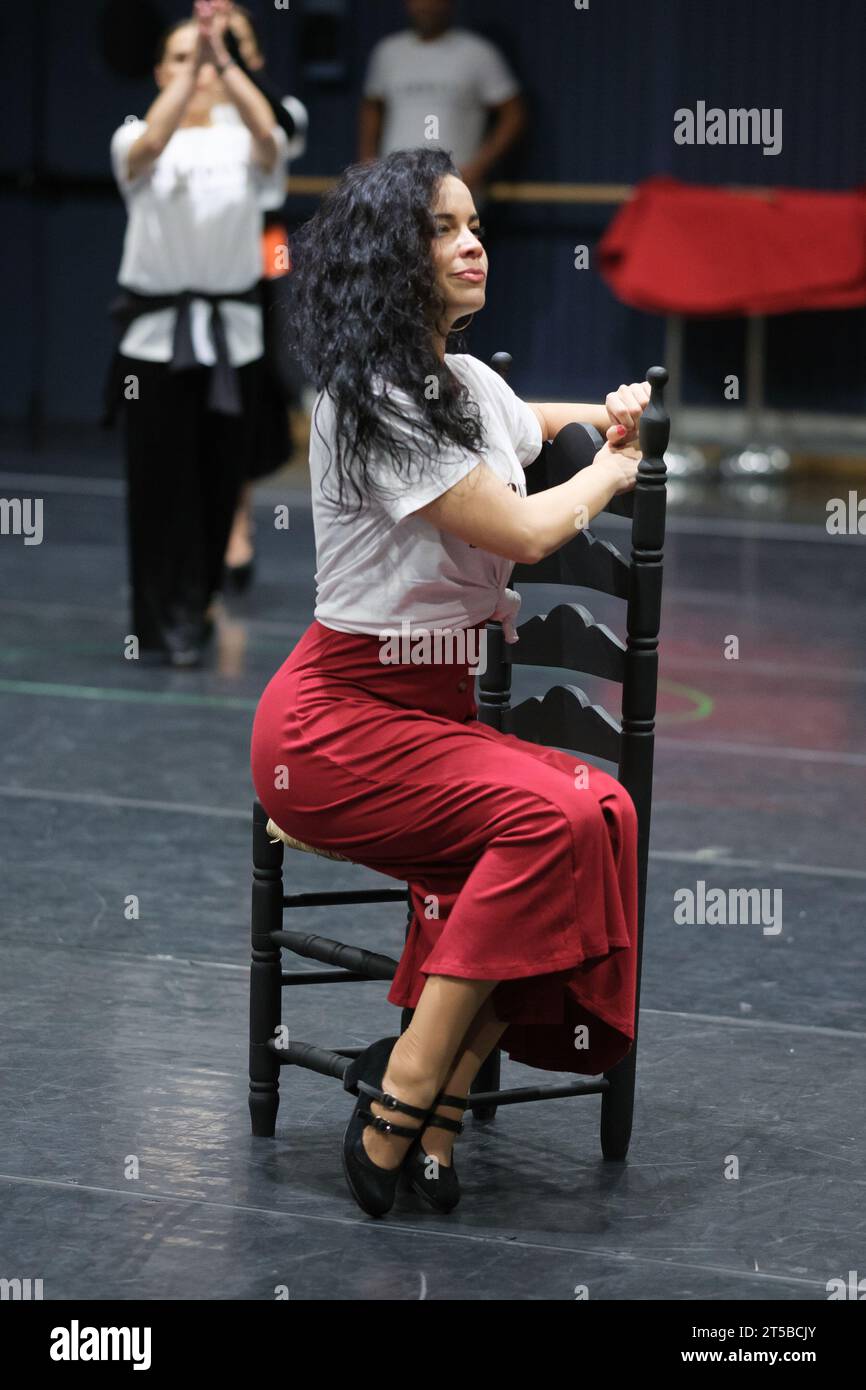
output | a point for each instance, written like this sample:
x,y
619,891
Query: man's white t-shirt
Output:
x,y
454,77
195,222
385,565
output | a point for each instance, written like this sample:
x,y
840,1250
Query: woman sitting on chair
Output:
x,y
520,859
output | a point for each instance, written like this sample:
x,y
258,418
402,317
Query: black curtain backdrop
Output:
x,y
603,85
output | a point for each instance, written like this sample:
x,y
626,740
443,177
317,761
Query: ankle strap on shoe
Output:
x,y
391,1102
456,1126
456,1102
389,1126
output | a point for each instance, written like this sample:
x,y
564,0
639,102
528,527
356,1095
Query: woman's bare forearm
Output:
x,y
254,110
555,415
558,513
162,120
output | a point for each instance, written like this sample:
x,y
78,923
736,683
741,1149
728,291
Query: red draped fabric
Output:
x,y
680,248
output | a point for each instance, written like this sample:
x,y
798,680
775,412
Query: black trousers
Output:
x,y
185,467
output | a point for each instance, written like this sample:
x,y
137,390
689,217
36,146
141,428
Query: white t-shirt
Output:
x,y
386,565
455,78
296,145
195,222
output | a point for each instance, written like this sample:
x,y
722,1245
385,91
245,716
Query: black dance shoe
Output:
x,y
432,1180
372,1187
186,638
182,650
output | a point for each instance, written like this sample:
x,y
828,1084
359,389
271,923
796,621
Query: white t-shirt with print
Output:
x,y
296,145
454,77
195,222
385,565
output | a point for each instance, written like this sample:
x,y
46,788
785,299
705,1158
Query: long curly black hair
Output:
x,y
364,307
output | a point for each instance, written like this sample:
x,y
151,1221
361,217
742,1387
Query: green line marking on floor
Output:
x,y
142,697
704,704
24,649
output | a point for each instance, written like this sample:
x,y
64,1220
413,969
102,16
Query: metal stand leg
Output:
x,y
683,460
758,458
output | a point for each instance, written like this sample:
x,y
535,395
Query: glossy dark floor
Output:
x,y
127,1167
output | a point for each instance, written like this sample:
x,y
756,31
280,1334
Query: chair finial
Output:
x,y
655,425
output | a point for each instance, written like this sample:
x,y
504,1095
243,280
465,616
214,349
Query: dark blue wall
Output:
x,y
603,85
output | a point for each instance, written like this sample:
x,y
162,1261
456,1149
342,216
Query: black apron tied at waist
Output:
x,y
223,391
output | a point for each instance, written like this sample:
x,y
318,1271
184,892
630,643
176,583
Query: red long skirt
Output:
x,y
521,861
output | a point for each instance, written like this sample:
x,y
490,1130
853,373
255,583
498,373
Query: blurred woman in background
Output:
x,y
189,362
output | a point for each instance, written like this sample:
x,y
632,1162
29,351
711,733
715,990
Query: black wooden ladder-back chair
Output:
x,y
565,638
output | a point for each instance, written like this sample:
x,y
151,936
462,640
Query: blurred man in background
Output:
x,y
436,71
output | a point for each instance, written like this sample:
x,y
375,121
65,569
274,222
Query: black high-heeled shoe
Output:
x,y
434,1181
372,1187
237,578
